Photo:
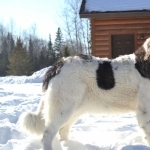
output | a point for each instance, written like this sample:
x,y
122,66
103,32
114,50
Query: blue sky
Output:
x,y
46,14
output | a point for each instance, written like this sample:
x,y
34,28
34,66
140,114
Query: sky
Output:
x,y
45,15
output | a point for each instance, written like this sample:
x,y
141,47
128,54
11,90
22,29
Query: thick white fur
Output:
x,y
74,92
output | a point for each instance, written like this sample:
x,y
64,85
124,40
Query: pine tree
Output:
x,y
19,60
65,52
51,54
10,42
58,44
31,48
31,54
4,58
42,60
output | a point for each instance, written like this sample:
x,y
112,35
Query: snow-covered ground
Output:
x,y
20,94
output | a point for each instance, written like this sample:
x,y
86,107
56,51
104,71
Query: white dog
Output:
x,y
84,84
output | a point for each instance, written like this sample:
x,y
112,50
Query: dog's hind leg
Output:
x,y
57,120
64,131
58,110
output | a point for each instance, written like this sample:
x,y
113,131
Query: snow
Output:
x,y
36,77
22,93
116,5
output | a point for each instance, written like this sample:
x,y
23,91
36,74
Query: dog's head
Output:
x,y
143,59
146,47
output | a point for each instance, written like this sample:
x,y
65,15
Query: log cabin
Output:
x,y
117,27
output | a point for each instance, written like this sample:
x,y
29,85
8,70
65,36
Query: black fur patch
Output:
x,y
53,71
142,64
105,76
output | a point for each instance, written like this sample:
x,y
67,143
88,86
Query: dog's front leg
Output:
x,y
143,116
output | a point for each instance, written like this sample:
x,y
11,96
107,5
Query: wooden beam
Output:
x,y
107,15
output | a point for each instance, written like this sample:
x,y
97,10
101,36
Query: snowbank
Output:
x,y
36,77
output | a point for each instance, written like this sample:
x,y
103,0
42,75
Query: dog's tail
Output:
x,y
33,122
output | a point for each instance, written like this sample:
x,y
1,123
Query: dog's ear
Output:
x,y
146,47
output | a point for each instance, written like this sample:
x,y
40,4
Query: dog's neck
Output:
x,y
143,62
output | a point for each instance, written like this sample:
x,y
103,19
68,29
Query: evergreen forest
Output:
x,y
25,53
